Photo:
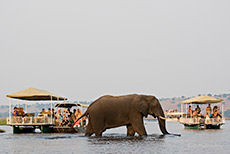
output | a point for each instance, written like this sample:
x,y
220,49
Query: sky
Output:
x,y
85,49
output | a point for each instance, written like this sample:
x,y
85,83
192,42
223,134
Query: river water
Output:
x,y
116,141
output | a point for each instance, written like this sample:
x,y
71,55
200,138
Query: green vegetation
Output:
x,y
2,121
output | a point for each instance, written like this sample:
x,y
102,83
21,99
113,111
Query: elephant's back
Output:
x,y
112,103
109,103
116,99
116,104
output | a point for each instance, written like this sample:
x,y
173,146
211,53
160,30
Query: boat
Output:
x,y
202,121
28,122
73,129
173,116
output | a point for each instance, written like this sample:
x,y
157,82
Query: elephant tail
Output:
x,y
85,114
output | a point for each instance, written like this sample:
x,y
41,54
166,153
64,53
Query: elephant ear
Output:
x,y
141,106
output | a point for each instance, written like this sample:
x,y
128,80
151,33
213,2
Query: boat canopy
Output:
x,y
33,94
201,100
70,105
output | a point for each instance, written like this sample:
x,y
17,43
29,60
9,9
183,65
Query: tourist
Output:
x,y
15,114
58,117
21,115
71,122
78,114
214,109
207,118
209,110
198,109
53,112
69,112
194,114
65,114
216,113
21,112
49,112
189,111
64,122
43,111
73,115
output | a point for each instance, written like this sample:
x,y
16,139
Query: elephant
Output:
x,y
128,110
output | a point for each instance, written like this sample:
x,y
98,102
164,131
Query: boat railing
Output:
x,y
199,120
19,120
214,121
189,120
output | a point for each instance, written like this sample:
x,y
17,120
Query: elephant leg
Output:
x,y
138,127
99,131
98,124
130,130
89,129
98,134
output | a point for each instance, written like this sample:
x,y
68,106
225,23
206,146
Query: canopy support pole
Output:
x,y
186,111
26,106
10,110
222,110
51,111
191,111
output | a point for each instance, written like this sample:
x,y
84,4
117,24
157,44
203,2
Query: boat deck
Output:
x,y
199,123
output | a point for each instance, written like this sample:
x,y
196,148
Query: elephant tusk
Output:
x,y
162,117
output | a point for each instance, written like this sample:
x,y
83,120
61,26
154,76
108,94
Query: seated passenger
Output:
x,y
15,114
43,111
73,115
198,109
21,112
49,112
214,109
207,118
69,112
78,114
209,110
64,122
194,114
53,113
217,114
58,117
71,122
189,111
65,114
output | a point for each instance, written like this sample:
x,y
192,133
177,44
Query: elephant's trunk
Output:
x,y
161,120
162,125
